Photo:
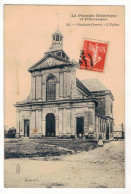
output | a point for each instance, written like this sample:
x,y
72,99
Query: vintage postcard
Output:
x,y
64,88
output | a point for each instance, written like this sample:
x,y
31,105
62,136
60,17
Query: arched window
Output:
x,y
51,88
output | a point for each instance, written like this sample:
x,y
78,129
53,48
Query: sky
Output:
x,y
28,33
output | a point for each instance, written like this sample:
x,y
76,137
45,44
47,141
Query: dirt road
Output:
x,y
102,167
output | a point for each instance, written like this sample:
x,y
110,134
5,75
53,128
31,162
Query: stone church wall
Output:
x,y
65,119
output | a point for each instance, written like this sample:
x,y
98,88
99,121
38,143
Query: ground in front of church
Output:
x,y
45,147
103,167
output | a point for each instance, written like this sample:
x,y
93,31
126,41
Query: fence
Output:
x,y
118,132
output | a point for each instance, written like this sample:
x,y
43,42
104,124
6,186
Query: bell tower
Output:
x,y
57,40
57,37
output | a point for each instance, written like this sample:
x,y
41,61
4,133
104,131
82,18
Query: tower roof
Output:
x,y
58,32
57,42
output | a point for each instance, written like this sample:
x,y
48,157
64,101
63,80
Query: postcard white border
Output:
x,y
127,4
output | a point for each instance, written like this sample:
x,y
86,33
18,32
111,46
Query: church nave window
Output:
x,y
51,88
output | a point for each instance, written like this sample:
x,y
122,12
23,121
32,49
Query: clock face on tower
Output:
x,y
50,62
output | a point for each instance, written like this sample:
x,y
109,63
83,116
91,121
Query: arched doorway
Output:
x,y
50,125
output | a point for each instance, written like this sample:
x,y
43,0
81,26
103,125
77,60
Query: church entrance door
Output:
x,y
80,126
26,128
50,125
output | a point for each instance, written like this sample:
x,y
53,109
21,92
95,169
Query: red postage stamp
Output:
x,y
93,55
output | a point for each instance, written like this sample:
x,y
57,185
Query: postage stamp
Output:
x,y
93,55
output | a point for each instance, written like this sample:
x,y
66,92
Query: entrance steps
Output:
x,y
56,138
49,138
25,138
64,139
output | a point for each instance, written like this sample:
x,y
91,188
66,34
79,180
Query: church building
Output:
x,y
61,105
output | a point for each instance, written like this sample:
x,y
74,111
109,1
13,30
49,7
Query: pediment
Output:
x,y
47,62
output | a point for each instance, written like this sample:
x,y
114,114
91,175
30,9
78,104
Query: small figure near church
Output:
x,y
100,141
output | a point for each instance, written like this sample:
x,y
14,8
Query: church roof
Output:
x,y
82,87
58,32
96,87
93,85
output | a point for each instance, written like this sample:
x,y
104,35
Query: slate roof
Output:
x,y
82,87
58,32
93,85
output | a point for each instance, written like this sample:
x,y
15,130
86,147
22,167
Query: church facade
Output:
x,y
60,104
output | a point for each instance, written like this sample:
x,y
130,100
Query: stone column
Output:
x,y
33,122
64,121
44,91
108,126
99,125
113,129
61,84
44,127
109,129
91,118
68,120
38,122
104,129
21,126
17,123
60,112
57,126
33,85
86,124
65,84
68,84
38,87
73,83
41,123
57,90
44,87
95,128
72,121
